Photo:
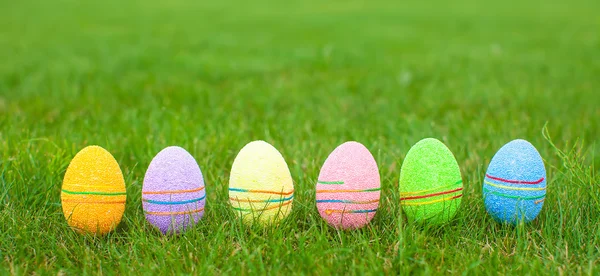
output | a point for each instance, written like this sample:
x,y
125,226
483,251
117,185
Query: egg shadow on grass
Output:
x,y
191,226
347,236
89,236
427,227
256,226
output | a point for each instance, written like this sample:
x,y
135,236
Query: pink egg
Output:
x,y
348,188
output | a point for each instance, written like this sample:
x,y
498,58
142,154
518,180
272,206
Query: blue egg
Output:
x,y
514,187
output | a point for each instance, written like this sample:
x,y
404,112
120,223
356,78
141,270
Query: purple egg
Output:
x,y
173,194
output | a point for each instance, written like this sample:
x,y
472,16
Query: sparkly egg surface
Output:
x,y
260,186
93,192
348,188
430,183
173,194
514,187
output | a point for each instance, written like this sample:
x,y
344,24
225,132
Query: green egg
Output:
x,y
430,183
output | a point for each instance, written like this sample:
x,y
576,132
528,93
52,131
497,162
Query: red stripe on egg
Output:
x,y
515,181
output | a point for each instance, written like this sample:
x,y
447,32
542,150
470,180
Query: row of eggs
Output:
x,y
261,189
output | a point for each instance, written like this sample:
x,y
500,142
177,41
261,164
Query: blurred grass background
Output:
x,y
137,76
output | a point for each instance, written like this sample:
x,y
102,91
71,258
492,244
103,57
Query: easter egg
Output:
x,y
514,187
348,188
430,183
93,192
261,189
173,194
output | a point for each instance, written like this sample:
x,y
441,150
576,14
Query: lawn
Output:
x,y
210,76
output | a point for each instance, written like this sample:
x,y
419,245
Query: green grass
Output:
x,y
210,76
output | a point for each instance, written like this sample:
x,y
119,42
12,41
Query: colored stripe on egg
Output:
x,y
349,191
263,201
175,213
79,201
173,192
259,191
433,189
539,201
94,193
173,202
431,195
515,181
513,188
264,209
330,182
430,202
513,196
347,201
331,211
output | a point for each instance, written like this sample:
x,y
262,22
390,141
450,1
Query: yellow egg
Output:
x,y
260,185
93,192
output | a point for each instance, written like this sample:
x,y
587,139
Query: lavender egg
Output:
x,y
173,194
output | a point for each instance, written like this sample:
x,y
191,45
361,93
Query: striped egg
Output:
x,y
430,183
261,189
173,195
93,192
348,188
514,187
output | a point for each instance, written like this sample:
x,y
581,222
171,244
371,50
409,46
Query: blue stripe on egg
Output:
x,y
174,202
